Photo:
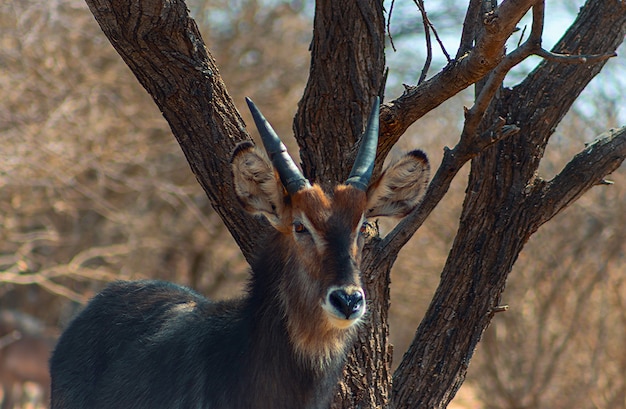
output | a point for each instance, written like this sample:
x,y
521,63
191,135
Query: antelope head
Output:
x,y
318,250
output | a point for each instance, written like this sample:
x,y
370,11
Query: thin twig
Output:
x,y
429,47
573,59
469,28
9,338
536,31
521,37
535,40
500,308
393,46
420,5
443,48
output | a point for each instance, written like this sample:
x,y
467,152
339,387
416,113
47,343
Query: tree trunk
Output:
x,y
504,205
161,44
347,72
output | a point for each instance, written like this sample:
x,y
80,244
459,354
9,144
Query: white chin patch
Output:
x,y
339,322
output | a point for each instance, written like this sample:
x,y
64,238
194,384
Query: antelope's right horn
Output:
x,y
292,179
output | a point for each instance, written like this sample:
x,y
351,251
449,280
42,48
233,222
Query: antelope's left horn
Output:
x,y
363,167
292,179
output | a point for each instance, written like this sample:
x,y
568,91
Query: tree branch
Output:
x,y
573,59
471,142
498,214
470,27
397,115
163,47
428,27
429,45
585,170
335,104
453,160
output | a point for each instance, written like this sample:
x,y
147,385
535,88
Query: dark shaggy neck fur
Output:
x,y
153,345
277,368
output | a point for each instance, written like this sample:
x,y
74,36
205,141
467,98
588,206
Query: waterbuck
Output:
x,y
152,344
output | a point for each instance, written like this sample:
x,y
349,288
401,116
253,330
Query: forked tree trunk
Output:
x,y
505,204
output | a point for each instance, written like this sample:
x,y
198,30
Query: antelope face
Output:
x,y
321,240
328,238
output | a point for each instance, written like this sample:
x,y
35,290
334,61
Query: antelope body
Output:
x,y
152,344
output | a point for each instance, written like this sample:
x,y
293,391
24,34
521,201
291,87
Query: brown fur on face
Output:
x,y
320,242
313,333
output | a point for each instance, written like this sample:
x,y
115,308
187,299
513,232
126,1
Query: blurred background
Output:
x,y
93,187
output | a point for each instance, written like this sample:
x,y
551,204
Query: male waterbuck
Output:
x,y
153,345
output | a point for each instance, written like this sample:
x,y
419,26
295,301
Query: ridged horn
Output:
x,y
292,179
364,163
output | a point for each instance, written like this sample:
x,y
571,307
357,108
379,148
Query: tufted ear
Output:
x,y
400,188
257,185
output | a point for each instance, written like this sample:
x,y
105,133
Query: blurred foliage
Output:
x,y
93,187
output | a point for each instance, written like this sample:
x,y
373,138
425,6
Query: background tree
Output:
x,y
506,197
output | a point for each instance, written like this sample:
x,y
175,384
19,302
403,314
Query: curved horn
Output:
x,y
292,179
364,162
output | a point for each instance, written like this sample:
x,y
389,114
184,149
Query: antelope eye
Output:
x,y
298,227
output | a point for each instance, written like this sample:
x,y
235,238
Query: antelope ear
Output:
x,y
400,188
257,185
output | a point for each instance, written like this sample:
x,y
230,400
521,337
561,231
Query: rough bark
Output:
x,y
494,29
162,46
504,205
347,72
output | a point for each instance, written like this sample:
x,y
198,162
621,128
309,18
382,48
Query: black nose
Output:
x,y
348,304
